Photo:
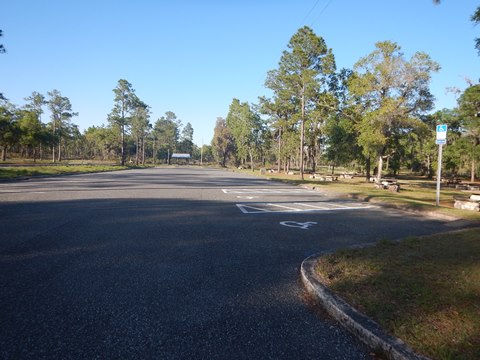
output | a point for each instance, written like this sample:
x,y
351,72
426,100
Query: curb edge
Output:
x,y
361,326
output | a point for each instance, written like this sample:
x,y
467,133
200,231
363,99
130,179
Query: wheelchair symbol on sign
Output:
x,y
299,225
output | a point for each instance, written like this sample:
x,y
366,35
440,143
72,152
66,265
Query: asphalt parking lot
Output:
x,y
174,263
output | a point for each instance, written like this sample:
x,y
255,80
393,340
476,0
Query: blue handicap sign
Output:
x,y
441,128
441,134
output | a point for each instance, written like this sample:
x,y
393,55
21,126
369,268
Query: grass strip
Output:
x,y
425,291
28,171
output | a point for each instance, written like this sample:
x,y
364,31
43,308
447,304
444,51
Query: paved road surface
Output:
x,y
173,263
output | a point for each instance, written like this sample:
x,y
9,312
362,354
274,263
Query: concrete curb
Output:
x,y
357,323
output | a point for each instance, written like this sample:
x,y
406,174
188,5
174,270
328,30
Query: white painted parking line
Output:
x,y
340,206
316,207
267,191
246,197
298,207
246,209
284,207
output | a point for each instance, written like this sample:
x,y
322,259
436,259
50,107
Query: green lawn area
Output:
x,y
27,171
425,291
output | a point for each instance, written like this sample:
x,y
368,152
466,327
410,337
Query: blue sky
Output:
x,y
194,57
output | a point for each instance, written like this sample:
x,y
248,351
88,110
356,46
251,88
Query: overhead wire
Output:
x,y
311,10
321,12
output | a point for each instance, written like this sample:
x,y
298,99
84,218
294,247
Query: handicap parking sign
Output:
x,y
441,134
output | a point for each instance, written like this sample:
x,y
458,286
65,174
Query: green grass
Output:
x,y
28,171
425,291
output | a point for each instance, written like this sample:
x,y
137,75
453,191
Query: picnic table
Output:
x,y
324,177
467,203
348,175
388,184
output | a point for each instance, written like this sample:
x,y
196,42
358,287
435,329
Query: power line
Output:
x,y
313,8
321,12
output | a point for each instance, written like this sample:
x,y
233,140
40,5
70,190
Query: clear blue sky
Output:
x,y
194,57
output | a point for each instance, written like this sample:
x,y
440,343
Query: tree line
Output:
x,y
128,136
373,118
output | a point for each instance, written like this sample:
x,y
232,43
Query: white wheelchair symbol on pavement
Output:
x,y
299,225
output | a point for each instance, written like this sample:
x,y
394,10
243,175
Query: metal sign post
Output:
x,y
439,172
441,139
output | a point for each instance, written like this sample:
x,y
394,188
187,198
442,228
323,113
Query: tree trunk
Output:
x,y
279,160
59,158
313,160
224,160
53,139
302,133
472,175
154,153
379,171
251,160
136,151
123,145
368,168
429,168
4,152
